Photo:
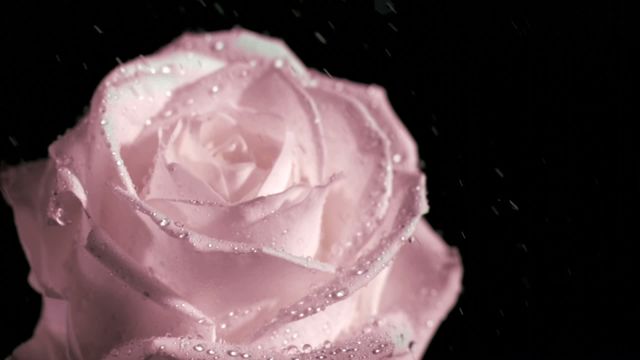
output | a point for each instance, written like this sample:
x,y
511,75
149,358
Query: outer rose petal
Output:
x,y
29,188
423,285
374,97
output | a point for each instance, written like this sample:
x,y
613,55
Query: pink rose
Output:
x,y
220,199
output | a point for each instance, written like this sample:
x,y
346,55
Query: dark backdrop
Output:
x,y
519,111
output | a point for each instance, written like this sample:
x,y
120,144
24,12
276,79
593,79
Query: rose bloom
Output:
x,y
221,200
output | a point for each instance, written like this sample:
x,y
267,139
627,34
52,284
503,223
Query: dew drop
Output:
x,y
210,352
292,350
246,356
377,351
219,45
198,348
326,344
397,158
58,215
279,63
163,222
233,353
215,89
306,348
165,69
430,323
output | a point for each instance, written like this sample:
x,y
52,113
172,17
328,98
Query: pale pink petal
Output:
x,y
404,212
197,267
277,92
29,189
374,345
403,147
111,299
359,150
290,220
424,284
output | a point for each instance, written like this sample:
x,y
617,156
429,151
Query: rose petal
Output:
x,y
290,220
29,188
197,267
404,212
359,150
424,283
375,345
403,147
278,92
105,310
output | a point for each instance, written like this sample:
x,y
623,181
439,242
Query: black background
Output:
x,y
520,112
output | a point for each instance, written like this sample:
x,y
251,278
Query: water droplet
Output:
x,y
377,351
198,348
306,348
219,45
430,323
279,63
291,350
326,344
57,216
165,69
215,89
397,158
163,222
211,352
233,353
246,356
339,294
223,326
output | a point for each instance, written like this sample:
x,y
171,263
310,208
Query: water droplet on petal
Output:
x,y
219,45
397,158
292,350
198,348
215,89
279,63
233,353
306,348
163,222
